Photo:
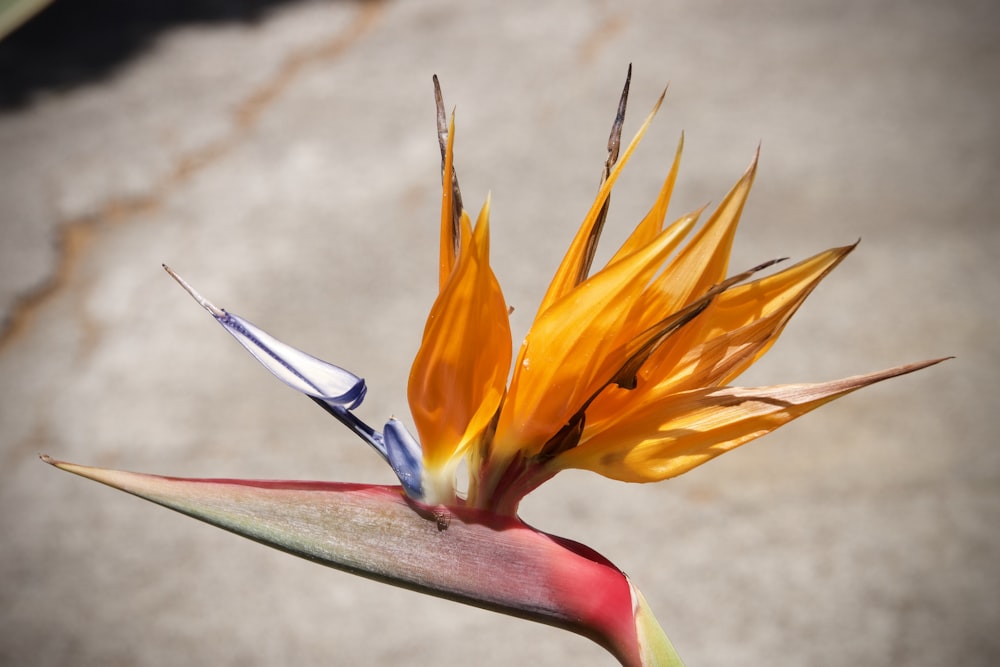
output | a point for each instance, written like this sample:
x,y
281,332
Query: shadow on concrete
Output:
x,y
72,43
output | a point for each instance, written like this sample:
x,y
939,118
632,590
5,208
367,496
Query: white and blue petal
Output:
x,y
300,371
334,389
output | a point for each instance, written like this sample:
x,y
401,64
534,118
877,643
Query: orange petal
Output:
x,y
634,323
568,275
703,261
682,431
737,328
652,224
459,375
570,351
447,246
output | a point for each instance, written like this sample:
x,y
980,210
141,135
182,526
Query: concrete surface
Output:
x,y
286,164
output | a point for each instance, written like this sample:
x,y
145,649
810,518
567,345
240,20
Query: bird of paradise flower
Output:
x,y
625,372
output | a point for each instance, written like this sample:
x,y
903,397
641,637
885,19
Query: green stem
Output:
x,y
655,648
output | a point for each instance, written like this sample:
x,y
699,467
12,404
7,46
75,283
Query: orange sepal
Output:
x,y
459,375
669,437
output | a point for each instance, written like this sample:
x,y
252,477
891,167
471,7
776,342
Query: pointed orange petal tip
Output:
x,y
751,170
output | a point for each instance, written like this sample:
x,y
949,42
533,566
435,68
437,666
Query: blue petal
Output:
x,y
405,457
361,429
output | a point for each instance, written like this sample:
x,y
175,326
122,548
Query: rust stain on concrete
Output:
x,y
608,27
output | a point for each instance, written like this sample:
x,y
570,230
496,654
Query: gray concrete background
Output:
x,y
287,166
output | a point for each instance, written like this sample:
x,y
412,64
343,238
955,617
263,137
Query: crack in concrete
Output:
x,y
75,236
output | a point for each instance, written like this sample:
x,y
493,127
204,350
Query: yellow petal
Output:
x,y
459,375
682,431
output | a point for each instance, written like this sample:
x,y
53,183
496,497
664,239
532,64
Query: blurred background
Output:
x,y
282,156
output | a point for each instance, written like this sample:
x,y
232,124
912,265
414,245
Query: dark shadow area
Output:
x,y
72,42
